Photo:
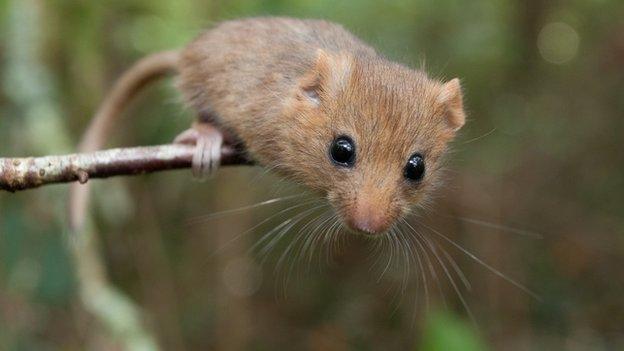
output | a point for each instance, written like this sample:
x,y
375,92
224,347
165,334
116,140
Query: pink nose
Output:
x,y
367,218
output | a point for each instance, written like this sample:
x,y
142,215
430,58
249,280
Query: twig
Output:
x,y
32,172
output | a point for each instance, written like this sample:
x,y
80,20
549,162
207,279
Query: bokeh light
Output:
x,y
558,42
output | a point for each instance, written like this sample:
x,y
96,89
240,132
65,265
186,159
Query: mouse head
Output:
x,y
370,136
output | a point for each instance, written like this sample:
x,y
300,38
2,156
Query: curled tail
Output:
x,y
108,114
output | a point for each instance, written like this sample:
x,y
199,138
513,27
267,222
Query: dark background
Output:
x,y
542,152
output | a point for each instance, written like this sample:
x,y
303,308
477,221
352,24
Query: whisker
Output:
x,y
398,296
327,239
280,234
418,237
204,218
309,237
456,268
490,268
498,226
311,244
317,233
391,246
423,274
479,137
302,233
284,257
422,277
263,173
279,237
339,239
331,238
409,257
406,257
377,251
238,236
392,264
460,273
451,280
269,234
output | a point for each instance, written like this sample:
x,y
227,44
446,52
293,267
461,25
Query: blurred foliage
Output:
x,y
445,332
542,151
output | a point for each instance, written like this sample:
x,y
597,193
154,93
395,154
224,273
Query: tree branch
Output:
x,y
32,172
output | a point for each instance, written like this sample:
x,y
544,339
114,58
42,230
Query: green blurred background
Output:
x,y
542,151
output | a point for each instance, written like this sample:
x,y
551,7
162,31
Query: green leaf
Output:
x,y
447,332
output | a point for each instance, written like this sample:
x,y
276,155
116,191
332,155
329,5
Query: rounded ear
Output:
x,y
328,73
452,101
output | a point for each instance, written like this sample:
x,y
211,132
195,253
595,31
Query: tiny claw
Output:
x,y
208,141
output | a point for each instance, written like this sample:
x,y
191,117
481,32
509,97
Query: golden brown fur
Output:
x,y
253,77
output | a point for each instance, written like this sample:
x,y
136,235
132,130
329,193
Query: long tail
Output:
x,y
108,114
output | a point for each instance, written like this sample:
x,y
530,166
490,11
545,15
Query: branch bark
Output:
x,y
31,172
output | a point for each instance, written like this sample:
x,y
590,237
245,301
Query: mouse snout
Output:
x,y
368,217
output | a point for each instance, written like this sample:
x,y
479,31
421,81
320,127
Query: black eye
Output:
x,y
342,151
415,168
